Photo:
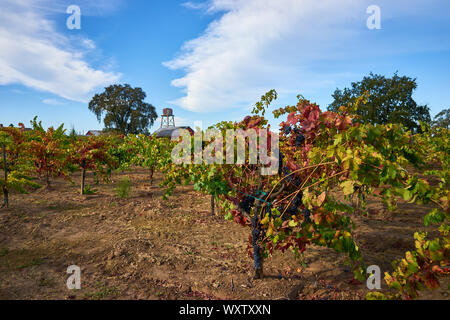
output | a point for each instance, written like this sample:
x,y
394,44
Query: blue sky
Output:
x,y
211,60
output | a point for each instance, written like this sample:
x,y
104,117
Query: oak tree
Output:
x,y
124,109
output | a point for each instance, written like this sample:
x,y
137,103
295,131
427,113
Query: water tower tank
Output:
x,y
167,112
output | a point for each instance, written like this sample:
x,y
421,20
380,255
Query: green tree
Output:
x,y
389,100
442,119
124,109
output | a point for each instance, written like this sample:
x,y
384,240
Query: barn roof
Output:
x,y
166,132
94,132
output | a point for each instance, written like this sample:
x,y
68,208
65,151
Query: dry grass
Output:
x,y
142,247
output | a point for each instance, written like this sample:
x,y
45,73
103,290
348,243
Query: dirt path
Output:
x,y
143,247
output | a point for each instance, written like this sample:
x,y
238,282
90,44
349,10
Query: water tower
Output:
x,y
167,118
168,128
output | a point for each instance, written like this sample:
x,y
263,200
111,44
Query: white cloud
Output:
x,y
257,45
53,102
33,53
88,43
194,5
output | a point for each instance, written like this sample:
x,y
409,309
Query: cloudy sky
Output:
x,y
211,60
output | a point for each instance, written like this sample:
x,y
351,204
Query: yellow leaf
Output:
x,y
321,199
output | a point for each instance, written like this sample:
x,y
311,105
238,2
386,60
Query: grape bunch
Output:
x,y
286,173
307,214
246,204
293,207
299,139
297,202
280,163
291,211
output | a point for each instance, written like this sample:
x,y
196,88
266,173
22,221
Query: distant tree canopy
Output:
x,y
442,119
124,109
389,101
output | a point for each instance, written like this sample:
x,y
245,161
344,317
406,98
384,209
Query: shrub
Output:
x,y
88,190
123,188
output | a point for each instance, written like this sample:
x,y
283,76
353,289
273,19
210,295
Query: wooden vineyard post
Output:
x,y
83,175
5,169
47,178
217,206
212,205
152,171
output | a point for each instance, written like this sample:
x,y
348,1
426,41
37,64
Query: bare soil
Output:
x,y
143,247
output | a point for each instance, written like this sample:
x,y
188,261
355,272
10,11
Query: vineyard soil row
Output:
x,y
143,247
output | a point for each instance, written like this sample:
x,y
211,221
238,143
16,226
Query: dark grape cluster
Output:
x,y
291,178
298,183
307,214
288,129
297,202
285,173
299,139
291,211
280,163
246,204
293,207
